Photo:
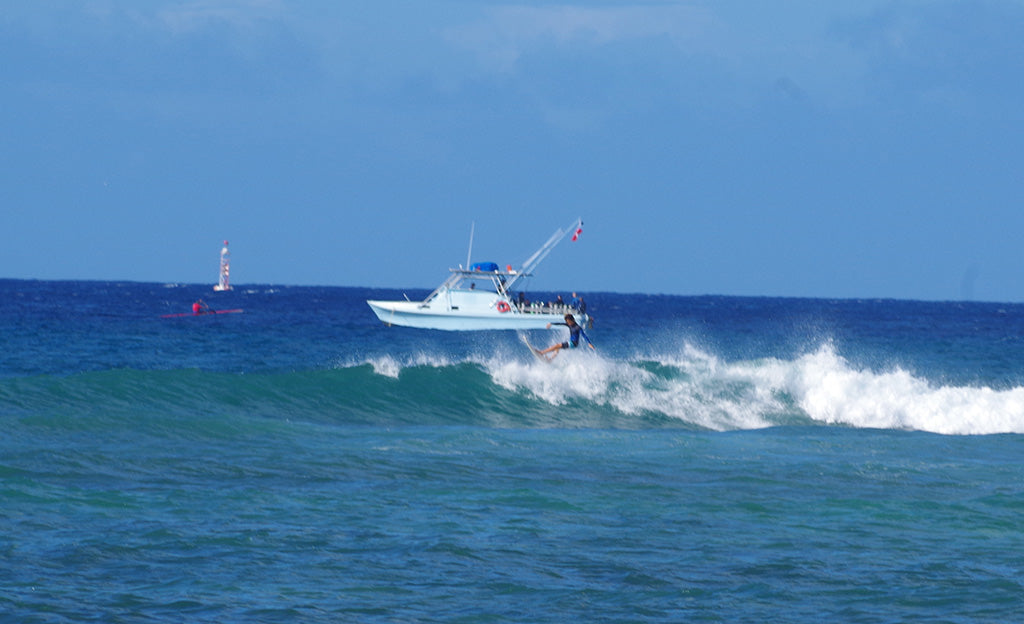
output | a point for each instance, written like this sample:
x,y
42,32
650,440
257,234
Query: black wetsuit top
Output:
x,y
575,331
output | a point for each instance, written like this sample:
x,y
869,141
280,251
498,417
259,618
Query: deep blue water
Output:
x,y
718,459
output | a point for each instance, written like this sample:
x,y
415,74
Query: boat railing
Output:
x,y
543,307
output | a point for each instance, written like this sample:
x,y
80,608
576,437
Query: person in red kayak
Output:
x,y
200,307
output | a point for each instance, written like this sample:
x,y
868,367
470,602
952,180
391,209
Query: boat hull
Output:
x,y
416,314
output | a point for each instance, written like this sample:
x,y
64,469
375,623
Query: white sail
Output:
x,y
224,283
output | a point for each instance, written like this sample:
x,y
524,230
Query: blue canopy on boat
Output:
x,y
484,266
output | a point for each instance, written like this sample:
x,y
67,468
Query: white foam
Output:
x,y
570,375
386,366
704,390
829,390
701,395
389,366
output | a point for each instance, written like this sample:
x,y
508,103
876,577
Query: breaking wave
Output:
x,y
690,389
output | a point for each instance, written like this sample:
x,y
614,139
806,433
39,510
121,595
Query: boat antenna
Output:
x,y
532,262
470,252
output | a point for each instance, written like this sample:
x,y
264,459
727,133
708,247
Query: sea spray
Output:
x,y
831,391
698,389
693,390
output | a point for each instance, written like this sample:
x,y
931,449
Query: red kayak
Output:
x,y
203,313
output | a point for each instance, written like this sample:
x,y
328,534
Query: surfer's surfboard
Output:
x,y
534,350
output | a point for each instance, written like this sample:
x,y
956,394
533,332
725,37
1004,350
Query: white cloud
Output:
x,y
193,16
506,33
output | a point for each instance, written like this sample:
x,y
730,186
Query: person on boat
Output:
x,y
575,302
575,332
200,307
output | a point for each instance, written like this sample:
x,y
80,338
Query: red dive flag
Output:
x,y
579,231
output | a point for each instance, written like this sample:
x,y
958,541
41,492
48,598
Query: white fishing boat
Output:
x,y
482,296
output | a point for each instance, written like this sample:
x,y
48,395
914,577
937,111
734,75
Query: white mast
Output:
x,y
225,269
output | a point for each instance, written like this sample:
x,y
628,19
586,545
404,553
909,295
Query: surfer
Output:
x,y
575,331
200,307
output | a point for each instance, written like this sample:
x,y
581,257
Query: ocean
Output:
x,y
717,459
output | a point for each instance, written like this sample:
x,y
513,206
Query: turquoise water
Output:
x,y
718,459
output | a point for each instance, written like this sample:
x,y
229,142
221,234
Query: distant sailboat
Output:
x,y
225,269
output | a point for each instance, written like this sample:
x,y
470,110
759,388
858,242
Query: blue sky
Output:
x,y
803,148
